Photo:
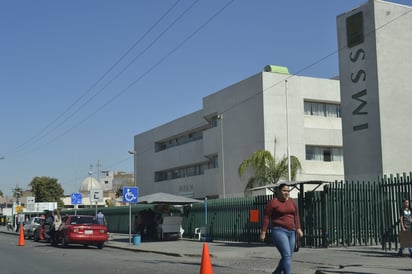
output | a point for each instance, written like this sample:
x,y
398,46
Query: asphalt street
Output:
x,y
356,259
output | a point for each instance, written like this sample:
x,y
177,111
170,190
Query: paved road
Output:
x,y
360,259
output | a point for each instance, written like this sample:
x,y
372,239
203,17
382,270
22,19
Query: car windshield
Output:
x,y
83,220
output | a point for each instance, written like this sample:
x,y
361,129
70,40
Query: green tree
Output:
x,y
17,192
46,189
1,193
266,170
119,191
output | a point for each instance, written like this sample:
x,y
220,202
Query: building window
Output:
x,y
322,109
180,140
325,154
187,171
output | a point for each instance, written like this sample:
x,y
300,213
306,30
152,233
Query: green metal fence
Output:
x,y
226,219
342,214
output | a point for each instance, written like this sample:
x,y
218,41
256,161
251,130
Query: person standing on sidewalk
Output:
x,y
100,218
285,224
405,222
54,230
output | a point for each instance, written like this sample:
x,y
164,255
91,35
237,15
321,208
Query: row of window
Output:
x,y
325,154
183,139
322,109
313,153
181,172
310,108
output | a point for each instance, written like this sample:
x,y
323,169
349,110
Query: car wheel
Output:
x,y
100,245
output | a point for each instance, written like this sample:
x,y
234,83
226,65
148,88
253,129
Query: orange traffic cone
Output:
x,y
21,238
206,265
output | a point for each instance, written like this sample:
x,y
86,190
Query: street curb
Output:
x,y
146,251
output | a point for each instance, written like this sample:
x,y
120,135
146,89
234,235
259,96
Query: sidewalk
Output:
x,y
359,259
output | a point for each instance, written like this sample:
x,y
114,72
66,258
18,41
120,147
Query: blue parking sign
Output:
x,y
76,198
130,194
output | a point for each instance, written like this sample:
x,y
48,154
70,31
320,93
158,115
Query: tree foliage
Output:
x,y
17,192
119,191
266,170
46,189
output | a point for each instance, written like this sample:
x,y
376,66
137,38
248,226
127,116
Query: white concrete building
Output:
x,y
199,154
375,63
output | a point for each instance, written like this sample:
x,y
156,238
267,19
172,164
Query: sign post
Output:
x,y
76,199
96,195
30,202
130,195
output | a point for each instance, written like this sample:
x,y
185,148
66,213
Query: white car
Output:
x,y
31,226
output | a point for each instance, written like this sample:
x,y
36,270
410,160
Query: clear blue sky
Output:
x,y
78,79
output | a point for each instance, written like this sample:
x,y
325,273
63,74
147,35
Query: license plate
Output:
x,y
88,232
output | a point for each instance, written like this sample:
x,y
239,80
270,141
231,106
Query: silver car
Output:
x,y
31,226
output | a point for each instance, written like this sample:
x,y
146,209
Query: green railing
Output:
x,y
342,214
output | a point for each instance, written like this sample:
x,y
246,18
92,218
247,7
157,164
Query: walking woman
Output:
x,y
285,224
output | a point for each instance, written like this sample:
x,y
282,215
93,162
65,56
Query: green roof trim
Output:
x,y
276,69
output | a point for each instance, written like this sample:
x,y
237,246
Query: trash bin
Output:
x,y
136,239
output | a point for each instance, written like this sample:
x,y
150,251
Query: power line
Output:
x,y
117,95
43,133
150,148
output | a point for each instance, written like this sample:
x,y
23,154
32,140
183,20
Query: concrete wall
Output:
x,y
253,115
375,89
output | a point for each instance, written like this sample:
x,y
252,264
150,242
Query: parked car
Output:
x,y
82,229
31,225
42,231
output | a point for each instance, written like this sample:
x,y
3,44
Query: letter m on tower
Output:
x,y
358,97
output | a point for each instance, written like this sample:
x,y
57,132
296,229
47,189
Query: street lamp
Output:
x,y
287,129
133,152
220,117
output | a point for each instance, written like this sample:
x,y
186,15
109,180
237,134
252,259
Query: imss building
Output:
x,y
375,65
198,155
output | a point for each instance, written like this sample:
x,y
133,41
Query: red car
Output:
x,y
82,229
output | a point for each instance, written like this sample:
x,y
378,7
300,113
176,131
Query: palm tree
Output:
x,y
266,170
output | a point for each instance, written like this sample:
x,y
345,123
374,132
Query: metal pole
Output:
x,y
130,223
134,168
223,155
206,210
133,152
287,129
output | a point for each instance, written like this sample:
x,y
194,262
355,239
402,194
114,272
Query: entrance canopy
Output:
x,y
166,198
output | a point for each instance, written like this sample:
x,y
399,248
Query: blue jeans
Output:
x,y
284,241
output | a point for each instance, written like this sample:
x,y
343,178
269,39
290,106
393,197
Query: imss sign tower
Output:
x,y
375,63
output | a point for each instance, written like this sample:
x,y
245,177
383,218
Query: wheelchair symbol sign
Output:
x,y
130,194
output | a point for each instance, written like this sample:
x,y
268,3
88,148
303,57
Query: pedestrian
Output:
x,y
100,218
54,231
405,223
285,224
